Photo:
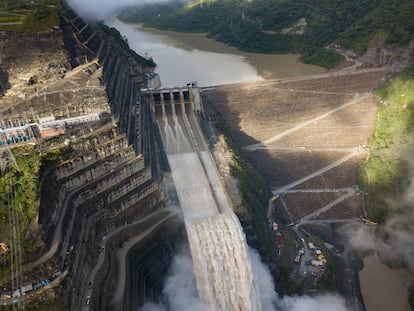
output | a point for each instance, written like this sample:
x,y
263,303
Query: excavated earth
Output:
x,y
30,62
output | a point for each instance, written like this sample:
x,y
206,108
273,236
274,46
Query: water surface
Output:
x,y
185,57
384,289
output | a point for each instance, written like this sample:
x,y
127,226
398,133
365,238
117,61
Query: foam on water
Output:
x,y
222,266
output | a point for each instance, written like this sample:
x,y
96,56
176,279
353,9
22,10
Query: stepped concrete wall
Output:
x,y
110,180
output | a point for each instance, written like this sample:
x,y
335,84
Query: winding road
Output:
x,y
122,252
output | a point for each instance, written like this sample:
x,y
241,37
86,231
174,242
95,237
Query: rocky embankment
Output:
x,y
393,56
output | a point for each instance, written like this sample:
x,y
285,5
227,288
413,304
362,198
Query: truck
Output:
x,y
316,263
279,240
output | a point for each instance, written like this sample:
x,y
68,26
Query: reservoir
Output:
x,y
185,57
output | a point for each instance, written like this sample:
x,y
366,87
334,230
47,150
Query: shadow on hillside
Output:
x,y
4,82
307,149
275,170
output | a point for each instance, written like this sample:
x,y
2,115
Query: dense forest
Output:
x,y
268,25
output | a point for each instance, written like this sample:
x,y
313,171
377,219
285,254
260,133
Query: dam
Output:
x,y
222,267
104,211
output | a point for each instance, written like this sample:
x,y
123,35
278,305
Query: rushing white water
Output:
x,y
221,262
218,247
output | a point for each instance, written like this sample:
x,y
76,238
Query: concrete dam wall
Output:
x,y
107,191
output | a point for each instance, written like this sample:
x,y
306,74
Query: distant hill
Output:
x,y
281,26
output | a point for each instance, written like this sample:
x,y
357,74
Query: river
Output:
x,y
185,57
384,289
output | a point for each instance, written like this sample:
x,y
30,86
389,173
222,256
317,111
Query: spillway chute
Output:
x,y
222,266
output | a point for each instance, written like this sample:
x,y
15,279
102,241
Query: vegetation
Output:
x,y
253,188
20,198
322,57
411,296
29,16
384,175
20,187
388,21
123,42
286,286
41,19
53,157
329,280
257,25
56,304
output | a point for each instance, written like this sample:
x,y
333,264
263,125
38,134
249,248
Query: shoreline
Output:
x,y
196,50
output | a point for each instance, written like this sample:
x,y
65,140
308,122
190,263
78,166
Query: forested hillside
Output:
x,y
385,174
269,25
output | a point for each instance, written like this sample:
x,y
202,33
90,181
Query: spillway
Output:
x,y
222,266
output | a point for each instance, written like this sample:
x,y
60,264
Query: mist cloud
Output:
x,y
180,293
100,9
265,284
180,290
394,240
271,301
318,303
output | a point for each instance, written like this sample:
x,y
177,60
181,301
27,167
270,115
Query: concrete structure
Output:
x,y
188,96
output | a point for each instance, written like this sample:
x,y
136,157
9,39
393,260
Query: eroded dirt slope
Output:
x,y
29,62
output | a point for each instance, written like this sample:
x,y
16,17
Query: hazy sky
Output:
x,y
103,8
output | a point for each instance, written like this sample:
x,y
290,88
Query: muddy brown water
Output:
x,y
384,289
185,57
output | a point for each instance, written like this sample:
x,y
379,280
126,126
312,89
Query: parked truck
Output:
x,y
317,263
